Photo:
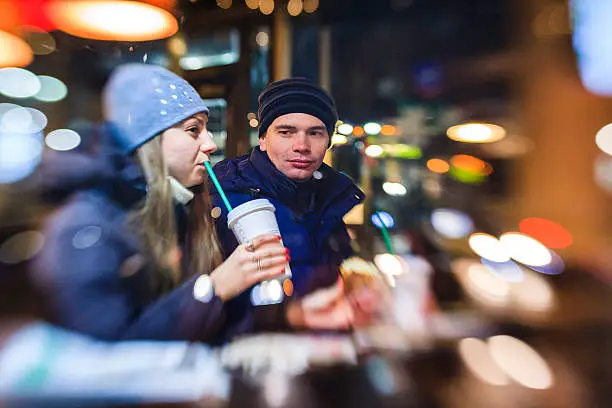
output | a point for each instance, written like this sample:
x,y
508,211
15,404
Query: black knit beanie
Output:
x,y
296,95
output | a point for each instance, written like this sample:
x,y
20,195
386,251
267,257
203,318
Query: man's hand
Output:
x,y
324,309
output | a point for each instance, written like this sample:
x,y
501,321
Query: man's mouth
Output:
x,y
300,163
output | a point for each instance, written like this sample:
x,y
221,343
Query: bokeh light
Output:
x,y
262,38
345,129
112,20
476,133
394,189
19,156
525,249
438,166
488,247
520,362
42,42
224,4
18,83
14,52
310,6
338,139
487,287
555,267
21,247
389,264
372,128
252,4
477,358
386,218
51,89
266,6
468,163
602,171
533,293
388,130
374,151
63,139
22,120
358,131
295,7
451,224
603,139
549,233
509,270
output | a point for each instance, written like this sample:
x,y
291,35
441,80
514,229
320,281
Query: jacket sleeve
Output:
x,y
85,281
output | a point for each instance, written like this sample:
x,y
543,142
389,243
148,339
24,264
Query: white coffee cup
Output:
x,y
248,221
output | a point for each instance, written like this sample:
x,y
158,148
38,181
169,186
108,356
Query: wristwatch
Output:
x,y
203,290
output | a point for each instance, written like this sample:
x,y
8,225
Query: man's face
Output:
x,y
296,144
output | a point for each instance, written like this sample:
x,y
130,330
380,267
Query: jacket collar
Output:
x,y
325,189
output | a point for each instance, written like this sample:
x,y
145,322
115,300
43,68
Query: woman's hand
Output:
x,y
258,260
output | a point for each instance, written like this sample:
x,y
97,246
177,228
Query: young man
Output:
x,y
297,119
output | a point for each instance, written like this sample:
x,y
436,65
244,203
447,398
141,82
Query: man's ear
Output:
x,y
262,143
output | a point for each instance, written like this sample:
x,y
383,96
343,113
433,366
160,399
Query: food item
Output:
x,y
358,273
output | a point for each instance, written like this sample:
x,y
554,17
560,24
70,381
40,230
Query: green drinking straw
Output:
x,y
211,173
385,234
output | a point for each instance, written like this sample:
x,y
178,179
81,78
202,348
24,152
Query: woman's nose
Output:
x,y
208,145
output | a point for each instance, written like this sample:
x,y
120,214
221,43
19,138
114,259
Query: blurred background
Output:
x,y
478,130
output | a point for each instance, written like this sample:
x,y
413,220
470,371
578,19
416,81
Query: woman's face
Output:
x,y
185,148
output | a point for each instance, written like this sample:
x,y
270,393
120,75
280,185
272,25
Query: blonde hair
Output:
x,y
156,224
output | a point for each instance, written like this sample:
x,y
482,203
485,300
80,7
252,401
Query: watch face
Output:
x,y
202,289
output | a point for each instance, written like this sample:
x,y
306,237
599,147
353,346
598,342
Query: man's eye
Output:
x,y
283,132
194,130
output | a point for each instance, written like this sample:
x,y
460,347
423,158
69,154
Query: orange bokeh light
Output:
x,y
471,164
438,166
14,52
288,287
388,130
113,20
547,232
358,131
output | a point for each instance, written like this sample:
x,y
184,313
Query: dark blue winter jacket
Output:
x,y
87,269
310,217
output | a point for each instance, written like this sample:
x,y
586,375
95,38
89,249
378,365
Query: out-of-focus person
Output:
x,y
135,255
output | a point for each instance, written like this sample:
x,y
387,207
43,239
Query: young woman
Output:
x,y
135,254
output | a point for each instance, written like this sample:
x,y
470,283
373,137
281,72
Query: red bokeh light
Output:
x,y
547,232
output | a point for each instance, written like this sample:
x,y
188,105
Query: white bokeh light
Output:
x,y
477,358
525,249
22,120
394,189
372,128
603,139
18,83
63,139
520,362
345,129
374,150
389,264
51,90
488,247
451,224
19,156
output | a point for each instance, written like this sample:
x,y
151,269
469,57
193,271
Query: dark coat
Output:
x,y
310,218
88,270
